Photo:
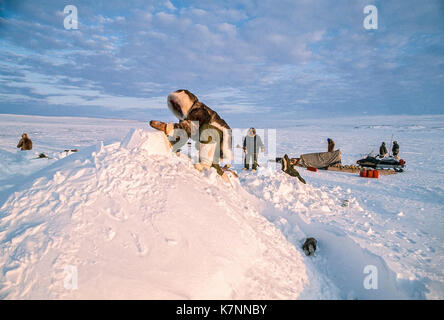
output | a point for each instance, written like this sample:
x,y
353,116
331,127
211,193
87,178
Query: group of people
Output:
x,y
383,150
189,111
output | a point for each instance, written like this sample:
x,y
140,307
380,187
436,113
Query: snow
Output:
x,y
129,218
137,221
50,135
397,217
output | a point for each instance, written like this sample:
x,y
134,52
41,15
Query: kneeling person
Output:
x,y
25,143
288,168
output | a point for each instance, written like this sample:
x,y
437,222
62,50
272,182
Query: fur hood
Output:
x,y
180,103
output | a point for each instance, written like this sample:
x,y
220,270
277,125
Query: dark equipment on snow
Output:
x,y
42,156
309,246
373,162
318,160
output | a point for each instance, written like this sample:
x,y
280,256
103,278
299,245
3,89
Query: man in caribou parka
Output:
x,y
200,123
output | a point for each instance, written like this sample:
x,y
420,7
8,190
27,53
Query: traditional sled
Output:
x,y
320,160
339,167
42,156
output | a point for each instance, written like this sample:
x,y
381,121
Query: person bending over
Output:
x,y
200,123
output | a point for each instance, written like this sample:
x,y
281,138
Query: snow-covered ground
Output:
x,y
135,221
50,135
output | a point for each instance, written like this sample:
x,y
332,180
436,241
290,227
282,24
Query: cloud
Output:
x,y
292,55
227,28
169,5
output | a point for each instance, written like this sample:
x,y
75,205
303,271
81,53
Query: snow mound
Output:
x,y
152,143
287,193
132,220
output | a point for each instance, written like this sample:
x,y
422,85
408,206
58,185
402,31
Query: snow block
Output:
x,y
142,227
154,143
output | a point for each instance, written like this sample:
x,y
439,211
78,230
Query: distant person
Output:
x,y
25,143
382,150
288,168
252,144
331,145
395,149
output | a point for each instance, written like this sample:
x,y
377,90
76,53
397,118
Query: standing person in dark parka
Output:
x,y
331,145
25,143
395,149
252,145
382,150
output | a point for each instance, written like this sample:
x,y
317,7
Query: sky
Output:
x,y
264,62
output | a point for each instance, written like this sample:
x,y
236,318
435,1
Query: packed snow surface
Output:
x,y
128,219
137,221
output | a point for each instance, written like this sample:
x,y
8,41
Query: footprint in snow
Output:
x,y
170,241
109,234
118,216
141,249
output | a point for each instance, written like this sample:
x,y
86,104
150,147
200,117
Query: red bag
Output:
x,y
370,173
312,169
363,173
376,174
